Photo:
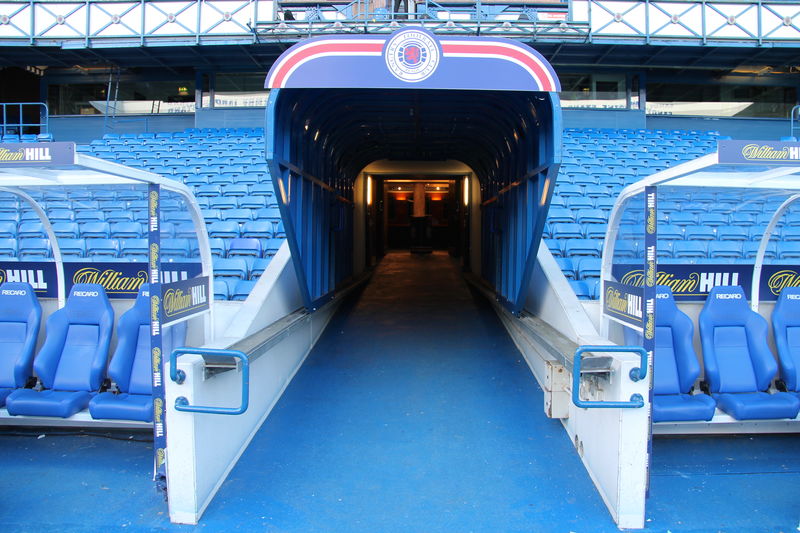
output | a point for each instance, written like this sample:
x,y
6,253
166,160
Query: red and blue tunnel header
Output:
x,y
413,58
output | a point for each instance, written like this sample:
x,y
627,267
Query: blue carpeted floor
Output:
x,y
414,413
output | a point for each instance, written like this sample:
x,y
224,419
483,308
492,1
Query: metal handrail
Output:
x,y
44,116
636,374
794,120
178,376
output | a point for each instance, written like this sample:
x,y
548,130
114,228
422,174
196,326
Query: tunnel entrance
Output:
x,y
420,215
339,104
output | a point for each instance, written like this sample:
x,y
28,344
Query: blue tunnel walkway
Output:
x,y
414,412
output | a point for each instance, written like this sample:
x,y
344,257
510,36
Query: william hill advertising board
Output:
x,y
120,280
693,282
37,154
759,152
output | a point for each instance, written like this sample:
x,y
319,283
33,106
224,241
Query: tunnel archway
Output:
x,y
339,103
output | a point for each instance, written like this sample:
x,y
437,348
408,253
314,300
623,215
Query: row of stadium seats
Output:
x,y
134,249
27,138
72,365
740,369
228,174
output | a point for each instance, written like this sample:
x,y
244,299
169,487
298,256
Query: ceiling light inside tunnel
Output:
x,y
316,135
466,191
369,190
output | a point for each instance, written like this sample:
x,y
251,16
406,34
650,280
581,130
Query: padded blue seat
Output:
x,y
739,365
71,364
786,327
20,319
130,367
675,366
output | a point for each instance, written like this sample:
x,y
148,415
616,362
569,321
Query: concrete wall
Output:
x,y
738,128
84,129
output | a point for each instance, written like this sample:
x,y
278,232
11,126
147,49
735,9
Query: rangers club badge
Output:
x,y
412,55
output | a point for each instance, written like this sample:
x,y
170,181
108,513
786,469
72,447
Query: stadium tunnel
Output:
x,y
339,104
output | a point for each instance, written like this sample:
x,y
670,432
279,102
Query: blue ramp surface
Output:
x,y
414,412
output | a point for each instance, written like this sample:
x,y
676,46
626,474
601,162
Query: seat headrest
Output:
x,y
727,305
141,307
87,304
16,301
665,306
788,304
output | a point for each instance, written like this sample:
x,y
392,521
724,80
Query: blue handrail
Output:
x,y
20,125
178,376
636,374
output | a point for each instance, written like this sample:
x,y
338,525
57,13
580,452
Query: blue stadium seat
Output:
x,y
8,230
790,233
230,268
272,246
219,247
126,230
89,215
252,202
596,231
239,215
683,219
581,289
582,247
175,248
32,249
102,249
699,233
223,202
20,319
118,215
625,249
788,250
567,231
75,248
242,290
257,229
689,250
8,248
739,365
733,233
226,229
750,249
713,219
670,232
71,364
258,267
131,364
579,202
589,268
591,216
676,367
786,327
31,230
235,190
220,290
60,215
566,266
242,247
725,250
558,215
95,230
134,249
